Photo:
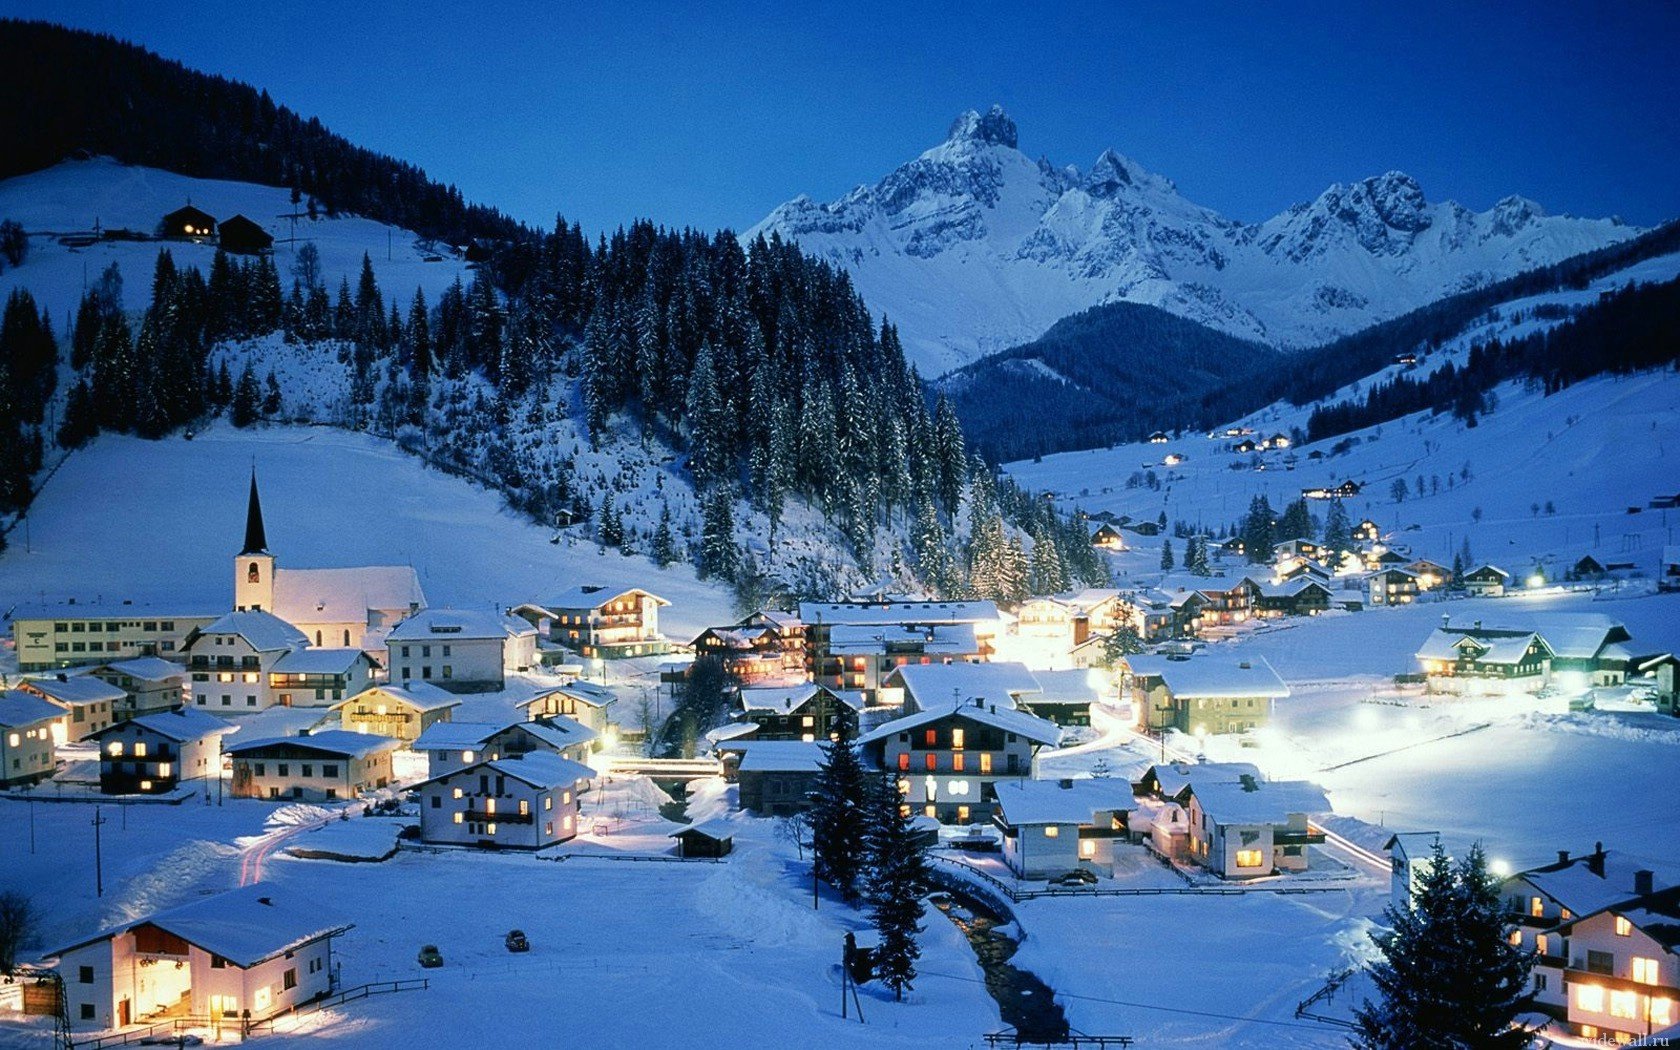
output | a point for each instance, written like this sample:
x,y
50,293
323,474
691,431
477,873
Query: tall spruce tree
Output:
x,y
839,816
1448,978
1338,532
1166,554
1258,529
898,879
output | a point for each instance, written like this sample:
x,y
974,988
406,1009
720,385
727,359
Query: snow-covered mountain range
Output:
x,y
973,247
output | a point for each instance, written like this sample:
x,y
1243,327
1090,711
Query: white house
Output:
x,y
27,746
251,952
230,660
155,753
1055,826
53,636
950,761
583,702
1207,694
402,712
528,802
924,687
321,767
88,703
1253,827
1486,581
1411,858
319,677
149,684
452,745
1623,972
463,650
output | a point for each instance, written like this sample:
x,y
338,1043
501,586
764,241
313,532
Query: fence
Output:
x,y
176,1026
1303,1009
1074,1040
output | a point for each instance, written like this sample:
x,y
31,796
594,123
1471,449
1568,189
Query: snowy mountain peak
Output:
x,y
972,247
994,128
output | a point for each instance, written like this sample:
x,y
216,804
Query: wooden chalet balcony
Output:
x,y
373,716
1577,974
499,818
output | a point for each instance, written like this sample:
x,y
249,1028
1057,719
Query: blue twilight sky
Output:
x,y
711,114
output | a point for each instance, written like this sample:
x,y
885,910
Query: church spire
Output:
x,y
256,540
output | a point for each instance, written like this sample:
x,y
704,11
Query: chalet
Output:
x,y
927,687
1477,660
1173,459
1204,695
583,702
1245,446
1159,437
1377,556
1540,902
1253,827
1668,573
709,838
453,745
950,761
807,712
529,801
1430,575
1292,550
462,650
188,223
401,712
1623,965
244,236
1591,569
1277,441
1224,601
1344,490
1305,595
1392,586
88,703
321,767
1589,644
313,677
230,660
1664,671
248,953
860,658
1406,359
1486,581
49,637
154,754
1366,532
1411,856
1154,614
349,607
27,747
599,622
1051,827
764,648
149,684
776,777
1108,537
1305,570
1065,697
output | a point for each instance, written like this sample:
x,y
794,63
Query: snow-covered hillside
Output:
x,y
973,247
75,197
161,520
1538,478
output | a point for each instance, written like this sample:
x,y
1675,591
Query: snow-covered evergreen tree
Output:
x,y
838,817
898,879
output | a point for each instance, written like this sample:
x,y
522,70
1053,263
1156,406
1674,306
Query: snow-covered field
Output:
x,y
330,498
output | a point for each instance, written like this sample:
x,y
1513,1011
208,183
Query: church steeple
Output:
x,y
256,540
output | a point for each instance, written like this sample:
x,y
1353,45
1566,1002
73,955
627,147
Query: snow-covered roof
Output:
x,y
717,830
1258,801
1488,570
422,696
264,631
948,639
1490,645
594,595
784,700
1061,802
144,668
733,731
1090,597
463,624
79,689
19,709
108,610
1587,883
339,742
457,736
187,723
1009,720
1209,675
940,685
1413,843
558,731
319,661
1578,636
345,595
583,692
244,926
877,614
781,756
1174,777
540,769
1079,685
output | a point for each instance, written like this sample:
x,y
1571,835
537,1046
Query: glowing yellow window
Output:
x,y
489,805
1249,858
931,810
548,803
1540,943
962,812
145,785
956,739
140,749
490,829
457,818
566,824
1052,831
1590,997
1624,928
466,756
524,808
985,762
457,793
1644,970
1087,848
566,798
1662,1011
957,763
163,769
808,721
1536,907
1515,936
115,748
1624,1004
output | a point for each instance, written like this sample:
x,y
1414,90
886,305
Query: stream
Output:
x,y
1027,1004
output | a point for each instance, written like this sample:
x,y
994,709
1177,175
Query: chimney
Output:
x,y
1445,620
266,900
1067,784
1643,883
62,677
1478,625
980,701
1595,863
1563,856
1245,665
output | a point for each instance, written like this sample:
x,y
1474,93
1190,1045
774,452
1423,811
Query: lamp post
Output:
x,y
98,859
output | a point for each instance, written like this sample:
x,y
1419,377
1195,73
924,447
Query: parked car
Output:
x,y
430,957
516,941
1077,877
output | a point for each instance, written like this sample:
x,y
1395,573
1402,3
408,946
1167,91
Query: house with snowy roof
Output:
x,y
250,953
775,777
1108,537
919,687
312,677
1051,827
601,622
808,711
321,767
1484,661
860,657
27,746
149,684
230,660
1622,965
401,712
153,754
1252,827
1305,595
584,702
916,628
453,745
1392,585
766,648
462,650
50,636
1065,697
350,607
89,704
1540,904
949,760
1593,645
1205,695
1485,581
525,801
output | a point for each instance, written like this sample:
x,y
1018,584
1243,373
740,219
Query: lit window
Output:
x,y
1624,1004
163,769
524,808
565,798
566,824
115,748
145,785
1087,848
1249,858
957,787
957,763
1515,936
489,805
903,760
140,749
985,762
1589,997
458,818
457,793
1052,831
1540,943
808,721
490,829
1536,907
956,739
931,810
1624,928
1662,1011
962,812
466,756
1644,970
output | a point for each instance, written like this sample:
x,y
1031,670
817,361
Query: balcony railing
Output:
x,y
499,818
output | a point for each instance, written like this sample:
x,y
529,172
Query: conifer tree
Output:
x,y
663,550
247,398
271,403
1195,556
898,880
1338,532
1166,554
1258,530
1448,977
838,816
718,553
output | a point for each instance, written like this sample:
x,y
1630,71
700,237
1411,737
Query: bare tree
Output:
x,y
792,829
17,925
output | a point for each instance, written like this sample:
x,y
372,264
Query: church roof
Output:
x,y
256,538
344,595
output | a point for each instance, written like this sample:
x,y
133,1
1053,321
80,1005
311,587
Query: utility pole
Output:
x,y
98,860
